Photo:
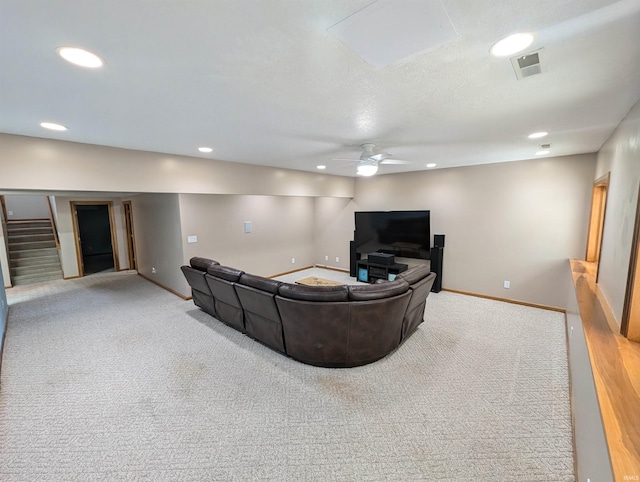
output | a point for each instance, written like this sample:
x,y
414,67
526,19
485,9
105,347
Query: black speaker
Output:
x,y
436,255
353,258
438,240
381,258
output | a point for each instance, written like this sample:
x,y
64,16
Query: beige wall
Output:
x,y
156,219
620,155
516,221
281,229
333,230
26,207
64,222
45,164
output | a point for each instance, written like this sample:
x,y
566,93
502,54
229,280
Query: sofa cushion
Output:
x,y
201,263
313,293
414,274
225,273
265,284
377,291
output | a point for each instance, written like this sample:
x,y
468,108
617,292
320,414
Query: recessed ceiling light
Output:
x,y
321,167
80,57
511,44
537,135
432,164
52,126
543,152
205,149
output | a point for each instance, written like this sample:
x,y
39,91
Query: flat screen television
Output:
x,y
405,234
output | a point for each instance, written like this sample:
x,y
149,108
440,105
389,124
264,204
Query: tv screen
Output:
x,y
404,234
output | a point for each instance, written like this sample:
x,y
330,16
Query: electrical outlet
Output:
x,y
326,258
337,259
9,213
293,260
507,284
192,239
153,271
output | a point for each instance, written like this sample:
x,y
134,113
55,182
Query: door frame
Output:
x,y
127,211
630,323
76,232
596,220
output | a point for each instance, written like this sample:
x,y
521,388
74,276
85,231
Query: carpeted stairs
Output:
x,y
33,256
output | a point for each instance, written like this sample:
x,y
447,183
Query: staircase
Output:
x,y
33,256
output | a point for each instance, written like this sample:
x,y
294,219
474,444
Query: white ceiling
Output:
x,y
265,82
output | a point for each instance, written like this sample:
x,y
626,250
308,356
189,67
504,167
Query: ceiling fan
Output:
x,y
369,160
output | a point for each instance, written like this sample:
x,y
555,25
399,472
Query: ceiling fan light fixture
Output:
x,y
511,45
368,169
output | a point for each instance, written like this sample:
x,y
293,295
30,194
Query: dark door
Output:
x,y
94,228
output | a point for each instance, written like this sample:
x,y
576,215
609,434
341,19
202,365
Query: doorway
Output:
x,y
95,237
630,324
131,241
596,220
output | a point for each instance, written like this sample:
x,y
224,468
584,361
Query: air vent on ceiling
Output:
x,y
528,64
545,146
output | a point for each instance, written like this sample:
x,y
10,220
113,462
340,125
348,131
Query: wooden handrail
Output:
x,y
53,223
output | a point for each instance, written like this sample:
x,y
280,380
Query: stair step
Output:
x,y
22,238
29,279
33,261
39,269
20,231
29,245
12,225
32,253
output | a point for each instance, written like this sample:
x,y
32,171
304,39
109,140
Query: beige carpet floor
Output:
x,y
109,377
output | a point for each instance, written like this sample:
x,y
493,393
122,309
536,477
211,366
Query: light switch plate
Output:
x,y
247,226
192,239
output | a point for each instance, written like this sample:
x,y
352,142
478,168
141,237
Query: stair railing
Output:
x,y
5,235
53,224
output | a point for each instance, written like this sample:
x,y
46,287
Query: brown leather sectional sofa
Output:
x,y
328,326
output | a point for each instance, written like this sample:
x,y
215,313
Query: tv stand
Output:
x,y
368,272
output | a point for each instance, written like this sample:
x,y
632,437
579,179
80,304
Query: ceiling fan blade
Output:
x,y
394,161
346,160
380,156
